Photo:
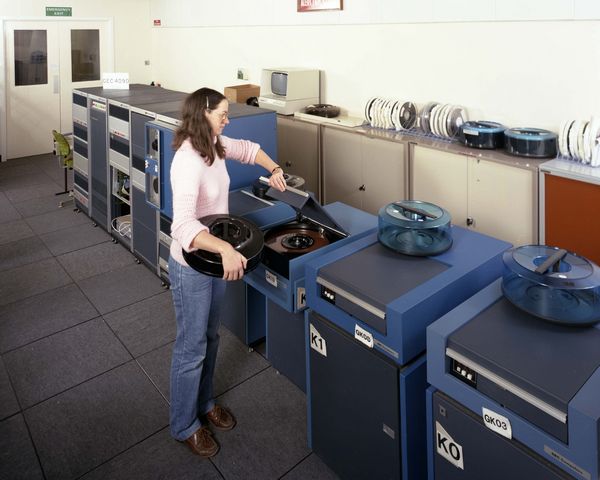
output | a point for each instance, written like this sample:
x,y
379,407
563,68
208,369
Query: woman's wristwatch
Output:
x,y
275,170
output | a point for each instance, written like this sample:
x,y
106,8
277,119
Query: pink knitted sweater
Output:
x,y
200,190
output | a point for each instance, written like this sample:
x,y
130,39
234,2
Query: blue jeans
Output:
x,y
197,299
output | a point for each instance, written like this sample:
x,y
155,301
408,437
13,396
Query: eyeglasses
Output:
x,y
221,115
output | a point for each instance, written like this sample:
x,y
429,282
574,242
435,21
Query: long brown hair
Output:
x,y
195,126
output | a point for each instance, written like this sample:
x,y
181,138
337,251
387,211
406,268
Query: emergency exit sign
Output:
x,y
59,11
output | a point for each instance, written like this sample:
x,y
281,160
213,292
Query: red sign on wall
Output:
x,y
157,23
317,5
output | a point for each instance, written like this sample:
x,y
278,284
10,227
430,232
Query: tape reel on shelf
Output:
x,y
425,117
483,134
391,113
578,140
530,142
408,115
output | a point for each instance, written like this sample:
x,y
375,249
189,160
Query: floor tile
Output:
x,y
58,175
146,325
22,252
20,180
58,362
95,260
74,238
157,365
57,220
41,205
270,437
116,289
234,364
32,279
28,320
14,169
85,426
14,230
16,195
17,455
312,467
8,213
8,401
156,458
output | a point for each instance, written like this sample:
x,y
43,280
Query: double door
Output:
x,y
45,60
361,171
488,197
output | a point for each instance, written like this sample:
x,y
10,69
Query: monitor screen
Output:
x,y
279,83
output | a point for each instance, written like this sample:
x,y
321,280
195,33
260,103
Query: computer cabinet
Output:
x,y
81,170
98,161
361,171
489,197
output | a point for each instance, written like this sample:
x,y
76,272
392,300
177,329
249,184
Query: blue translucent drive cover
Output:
x,y
413,227
553,284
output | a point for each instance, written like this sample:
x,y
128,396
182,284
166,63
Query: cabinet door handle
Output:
x,y
362,188
470,221
288,164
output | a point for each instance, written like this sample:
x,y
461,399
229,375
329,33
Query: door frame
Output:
x,y
4,68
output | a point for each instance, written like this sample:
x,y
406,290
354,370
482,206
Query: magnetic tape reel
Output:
x,y
579,140
483,134
407,115
425,117
368,108
531,142
323,110
243,235
294,239
390,113
456,117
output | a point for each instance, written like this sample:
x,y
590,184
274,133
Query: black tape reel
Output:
x,y
240,233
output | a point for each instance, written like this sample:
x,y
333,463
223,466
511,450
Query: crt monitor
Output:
x,y
279,83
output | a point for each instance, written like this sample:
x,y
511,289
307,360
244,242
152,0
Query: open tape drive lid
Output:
x,y
305,205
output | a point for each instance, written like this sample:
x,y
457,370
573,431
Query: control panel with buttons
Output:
x,y
464,373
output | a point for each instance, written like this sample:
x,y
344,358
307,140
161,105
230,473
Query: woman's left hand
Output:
x,y
277,180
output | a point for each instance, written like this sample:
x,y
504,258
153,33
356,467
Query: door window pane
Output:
x,y
31,57
85,55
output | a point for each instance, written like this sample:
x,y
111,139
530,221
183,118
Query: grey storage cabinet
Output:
x,y
362,171
298,151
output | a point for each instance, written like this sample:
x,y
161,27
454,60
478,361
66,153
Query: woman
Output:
x,y
200,185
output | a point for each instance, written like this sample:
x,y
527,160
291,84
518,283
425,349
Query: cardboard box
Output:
x,y
240,93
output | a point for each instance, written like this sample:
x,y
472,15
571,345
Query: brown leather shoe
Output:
x,y
221,418
202,443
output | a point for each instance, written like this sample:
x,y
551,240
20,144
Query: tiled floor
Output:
x,y
85,344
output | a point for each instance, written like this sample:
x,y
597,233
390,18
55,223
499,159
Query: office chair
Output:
x,y
62,149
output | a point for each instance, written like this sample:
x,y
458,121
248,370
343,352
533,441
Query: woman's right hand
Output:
x,y
234,264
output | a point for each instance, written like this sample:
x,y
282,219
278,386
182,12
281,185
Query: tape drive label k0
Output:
x,y
447,447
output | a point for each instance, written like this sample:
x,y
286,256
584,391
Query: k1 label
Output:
x,y
447,447
363,336
496,422
317,342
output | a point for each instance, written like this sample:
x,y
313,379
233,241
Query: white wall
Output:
x,y
130,22
522,73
